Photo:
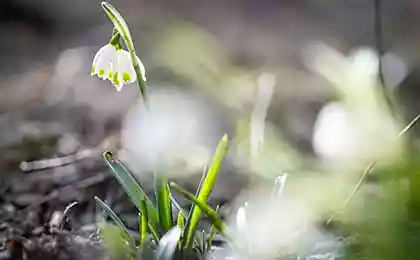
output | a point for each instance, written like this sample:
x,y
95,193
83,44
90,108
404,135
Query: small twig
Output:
x,y
58,162
409,126
66,212
86,153
369,169
355,190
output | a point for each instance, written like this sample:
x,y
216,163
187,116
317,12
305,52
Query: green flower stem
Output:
x,y
115,40
120,25
161,186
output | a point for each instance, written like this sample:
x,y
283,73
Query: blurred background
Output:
x,y
295,85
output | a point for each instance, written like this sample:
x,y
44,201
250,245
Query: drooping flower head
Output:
x,y
103,62
113,63
123,70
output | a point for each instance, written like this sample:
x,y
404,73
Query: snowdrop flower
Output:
x,y
123,70
359,127
103,62
115,64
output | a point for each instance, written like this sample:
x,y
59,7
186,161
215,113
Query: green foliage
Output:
x,y
157,221
115,242
118,222
393,215
122,28
132,188
204,192
142,229
212,231
164,204
212,214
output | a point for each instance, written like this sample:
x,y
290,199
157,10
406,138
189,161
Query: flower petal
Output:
x,y
118,84
125,67
103,61
142,69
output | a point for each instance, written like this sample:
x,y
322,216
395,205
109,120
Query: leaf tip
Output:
x,y
105,5
108,155
225,138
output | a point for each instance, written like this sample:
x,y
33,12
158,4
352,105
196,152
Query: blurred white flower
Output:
x,y
241,224
279,183
360,126
279,225
177,133
116,66
334,133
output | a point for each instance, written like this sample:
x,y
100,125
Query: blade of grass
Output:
x,y
205,190
203,177
203,242
180,220
145,219
118,222
178,207
188,217
142,230
180,223
131,187
212,230
164,206
213,216
114,242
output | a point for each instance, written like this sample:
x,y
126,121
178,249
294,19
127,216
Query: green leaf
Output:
x,y
203,241
114,242
142,230
145,219
164,205
211,235
118,21
196,241
213,216
118,222
168,244
205,190
180,220
178,207
132,188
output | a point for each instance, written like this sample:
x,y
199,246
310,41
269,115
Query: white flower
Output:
x,y
123,70
241,223
335,132
116,66
103,62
